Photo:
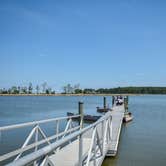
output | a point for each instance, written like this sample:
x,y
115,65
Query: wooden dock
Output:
x,y
69,155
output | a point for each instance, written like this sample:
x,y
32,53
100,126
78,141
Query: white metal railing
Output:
x,y
37,132
100,137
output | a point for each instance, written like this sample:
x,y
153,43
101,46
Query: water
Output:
x,y
19,109
28,108
142,142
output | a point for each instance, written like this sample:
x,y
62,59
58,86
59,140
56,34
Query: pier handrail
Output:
x,y
27,124
35,131
28,147
43,152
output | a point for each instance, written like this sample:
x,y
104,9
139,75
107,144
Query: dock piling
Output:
x,y
113,100
104,102
80,112
126,102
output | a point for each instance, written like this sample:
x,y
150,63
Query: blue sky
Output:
x,y
91,42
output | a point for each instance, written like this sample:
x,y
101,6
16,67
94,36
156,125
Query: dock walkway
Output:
x,y
68,156
117,120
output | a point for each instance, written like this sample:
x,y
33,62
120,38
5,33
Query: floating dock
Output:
x,y
68,156
76,145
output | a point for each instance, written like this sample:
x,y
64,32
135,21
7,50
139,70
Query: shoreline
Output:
x,y
59,94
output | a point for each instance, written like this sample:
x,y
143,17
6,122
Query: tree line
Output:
x,y
133,90
123,90
75,89
30,89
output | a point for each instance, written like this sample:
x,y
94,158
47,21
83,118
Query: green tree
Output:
x,y
89,91
48,91
77,91
14,90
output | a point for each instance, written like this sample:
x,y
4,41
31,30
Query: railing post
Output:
x,y
36,137
36,140
80,111
111,127
57,129
102,137
80,149
95,141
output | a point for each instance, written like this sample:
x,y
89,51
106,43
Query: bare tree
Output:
x,y
65,89
44,86
30,88
24,90
19,89
37,89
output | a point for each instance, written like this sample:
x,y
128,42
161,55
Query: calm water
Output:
x,y
143,141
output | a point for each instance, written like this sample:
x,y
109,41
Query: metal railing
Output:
x,y
99,133
37,132
39,151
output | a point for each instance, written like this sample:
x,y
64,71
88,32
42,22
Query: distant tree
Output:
x,y
19,89
4,91
37,89
69,88
76,86
9,91
30,88
64,89
77,91
133,90
14,90
44,86
53,92
89,91
24,90
48,91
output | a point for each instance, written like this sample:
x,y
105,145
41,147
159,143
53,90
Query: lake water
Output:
x,y
142,142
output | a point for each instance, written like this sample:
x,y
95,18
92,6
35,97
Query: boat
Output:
x,y
103,109
87,118
127,117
